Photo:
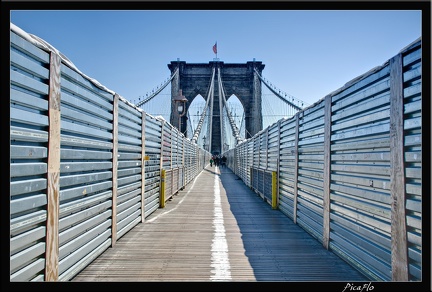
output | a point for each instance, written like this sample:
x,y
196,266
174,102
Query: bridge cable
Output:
x,y
158,91
204,113
190,130
230,118
277,94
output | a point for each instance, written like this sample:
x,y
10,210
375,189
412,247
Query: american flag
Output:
x,y
215,48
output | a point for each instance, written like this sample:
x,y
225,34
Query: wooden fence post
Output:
x,y
296,161
144,158
53,175
326,174
114,171
399,253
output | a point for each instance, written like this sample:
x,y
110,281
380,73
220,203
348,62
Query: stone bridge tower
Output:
x,y
238,79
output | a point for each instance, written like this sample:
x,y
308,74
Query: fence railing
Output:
x,y
85,164
349,169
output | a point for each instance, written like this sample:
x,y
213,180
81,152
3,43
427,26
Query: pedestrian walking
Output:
x,y
216,160
224,159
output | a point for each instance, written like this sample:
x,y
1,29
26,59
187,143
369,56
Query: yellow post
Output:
x,y
162,190
274,190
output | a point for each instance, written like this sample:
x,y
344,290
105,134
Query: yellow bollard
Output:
x,y
162,190
274,190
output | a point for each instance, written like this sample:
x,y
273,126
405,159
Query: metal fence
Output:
x,y
349,169
85,165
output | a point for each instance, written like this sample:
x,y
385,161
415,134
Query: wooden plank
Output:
x,y
278,162
114,169
184,164
53,175
399,254
144,158
182,242
296,162
326,175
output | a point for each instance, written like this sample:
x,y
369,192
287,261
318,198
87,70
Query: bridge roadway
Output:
x,y
218,229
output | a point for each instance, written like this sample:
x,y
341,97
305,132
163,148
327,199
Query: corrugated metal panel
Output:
x,y
168,184
413,157
287,166
360,168
255,178
250,161
187,161
241,159
256,150
167,146
173,160
175,181
153,142
310,170
85,171
191,161
28,153
129,181
356,188
247,153
89,124
268,186
273,147
175,148
196,162
263,150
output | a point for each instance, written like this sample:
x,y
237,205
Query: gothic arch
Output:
x,y
238,79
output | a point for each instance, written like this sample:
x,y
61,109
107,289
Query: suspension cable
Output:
x,y
203,115
230,118
277,94
159,90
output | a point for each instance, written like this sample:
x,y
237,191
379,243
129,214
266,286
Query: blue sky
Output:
x,y
306,53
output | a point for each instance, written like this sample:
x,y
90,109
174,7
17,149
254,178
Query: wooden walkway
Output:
x,y
217,229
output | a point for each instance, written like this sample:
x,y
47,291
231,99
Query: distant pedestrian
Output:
x,y
224,159
211,161
216,160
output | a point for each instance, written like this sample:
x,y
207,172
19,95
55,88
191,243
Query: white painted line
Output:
x,y
219,258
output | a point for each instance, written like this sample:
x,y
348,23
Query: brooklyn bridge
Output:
x,y
105,189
